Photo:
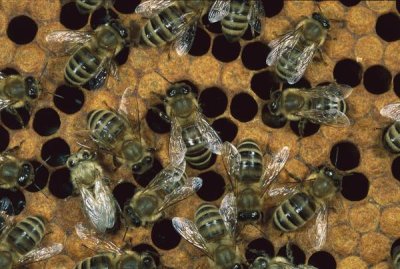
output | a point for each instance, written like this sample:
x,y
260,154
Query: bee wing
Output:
x,y
335,92
391,111
150,8
130,106
228,211
41,254
274,166
167,176
177,146
332,117
214,142
219,10
302,62
184,41
99,206
256,14
4,103
281,191
280,45
231,160
65,42
188,230
317,234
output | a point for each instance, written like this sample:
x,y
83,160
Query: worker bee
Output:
x,y
19,244
17,91
292,52
214,232
236,16
92,52
88,178
170,22
320,105
110,256
395,254
89,6
391,137
168,187
265,262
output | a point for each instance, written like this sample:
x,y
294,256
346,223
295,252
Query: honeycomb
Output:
x,y
234,84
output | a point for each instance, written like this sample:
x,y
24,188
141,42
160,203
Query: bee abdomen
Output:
x,y
105,125
197,155
251,165
391,137
396,257
81,67
235,24
98,262
209,222
294,212
87,6
26,234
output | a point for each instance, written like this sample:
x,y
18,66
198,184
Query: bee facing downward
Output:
x,y
391,137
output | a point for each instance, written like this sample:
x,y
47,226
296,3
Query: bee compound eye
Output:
x,y
147,261
70,163
136,168
86,154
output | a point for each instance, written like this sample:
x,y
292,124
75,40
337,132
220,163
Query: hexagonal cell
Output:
x,y
348,71
298,254
350,3
126,6
14,199
377,79
322,259
226,129
71,18
41,177
345,156
355,186
388,27
155,122
213,102
68,99
4,138
123,192
225,51
60,184
164,235
264,83
22,30
201,43
259,247
254,55
13,121
101,16
55,152
213,186
243,107
272,7
46,122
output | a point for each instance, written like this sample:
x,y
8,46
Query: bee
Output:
x,y
111,257
170,22
265,262
391,137
89,6
92,52
20,243
214,232
17,91
292,52
88,178
395,254
168,187
320,105
236,16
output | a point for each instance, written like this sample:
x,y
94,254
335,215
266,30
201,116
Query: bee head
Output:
x,y
321,19
26,175
260,262
131,216
327,183
5,260
81,156
32,87
179,89
180,98
148,261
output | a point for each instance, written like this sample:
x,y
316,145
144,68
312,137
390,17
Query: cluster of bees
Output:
x,y
252,174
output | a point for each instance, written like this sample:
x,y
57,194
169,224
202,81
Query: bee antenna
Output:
x,y
43,71
336,156
50,93
39,189
161,75
83,146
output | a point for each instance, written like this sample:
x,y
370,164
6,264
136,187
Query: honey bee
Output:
x,y
391,137
111,257
395,254
92,52
89,6
17,91
168,187
19,244
265,262
292,52
88,178
236,16
320,105
170,22
214,232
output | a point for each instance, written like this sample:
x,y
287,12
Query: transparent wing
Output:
x,y
167,177
335,92
280,45
41,254
228,211
283,190
65,42
189,231
391,111
150,8
317,234
91,240
301,64
219,10
184,41
99,206
214,142
4,103
274,167
231,160
256,15
332,117
130,105
177,146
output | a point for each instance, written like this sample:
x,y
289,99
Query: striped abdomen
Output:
x,y
102,261
251,164
235,24
396,257
82,67
209,222
26,235
197,155
326,104
294,212
391,137
88,6
105,126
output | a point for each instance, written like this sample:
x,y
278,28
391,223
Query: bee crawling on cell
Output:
x,y
391,136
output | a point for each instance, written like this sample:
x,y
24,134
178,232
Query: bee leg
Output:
x,y
289,251
320,57
302,125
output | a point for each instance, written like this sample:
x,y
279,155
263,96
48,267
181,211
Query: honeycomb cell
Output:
x,y
259,247
122,57
374,247
71,18
101,16
215,28
322,259
264,83
271,120
390,221
4,138
377,79
395,244
155,122
164,235
348,71
201,43
350,3
343,239
213,186
355,186
60,184
254,55
398,6
388,27
55,152
126,6
46,122
396,168
68,99
22,30
352,262
213,102
11,121
225,51
272,7
345,156
41,177
298,254
15,199
396,84
226,129
123,192
9,71
243,107
145,178
309,128
364,217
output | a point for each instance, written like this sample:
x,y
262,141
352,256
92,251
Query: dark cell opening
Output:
x,y
71,18
254,55
123,192
243,107
298,254
271,120
213,102
10,71
12,201
22,30
213,186
226,129
322,259
212,27
355,186
248,35
145,248
308,130
155,122
264,83
164,235
41,177
126,6
303,83
55,152
396,84
102,16
345,156
225,51
201,43
60,184
377,79
122,56
395,248
396,168
398,6
144,179
350,3
272,7
4,138
388,27
348,71
68,99
46,122
259,247
12,121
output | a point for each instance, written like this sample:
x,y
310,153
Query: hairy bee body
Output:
x,y
391,137
235,24
265,262
15,173
396,257
88,6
